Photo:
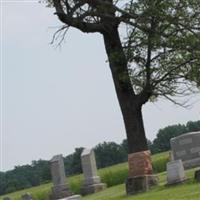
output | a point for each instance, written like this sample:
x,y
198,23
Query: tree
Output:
x,y
193,126
158,54
162,141
109,153
73,162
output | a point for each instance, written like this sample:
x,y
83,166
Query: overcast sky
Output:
x,y
54,100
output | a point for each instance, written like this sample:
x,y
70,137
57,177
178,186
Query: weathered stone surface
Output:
x,y
60,188
26,196
197,175
140,164
89,165
138,184
187,148
58,170
175,172
92,182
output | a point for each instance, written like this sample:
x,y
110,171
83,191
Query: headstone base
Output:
x,y
59,192
177,182
197,175
140,183
73,197
90,189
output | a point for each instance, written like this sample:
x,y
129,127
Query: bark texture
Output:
x,y
130,103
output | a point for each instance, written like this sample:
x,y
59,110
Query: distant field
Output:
x,y
114,176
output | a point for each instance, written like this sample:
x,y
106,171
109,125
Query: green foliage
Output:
x,y
160,40
193,126
159,162
114,175
25,176
161,46
162,141
109,153
73,162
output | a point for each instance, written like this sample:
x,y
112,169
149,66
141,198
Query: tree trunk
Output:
x,y
130,103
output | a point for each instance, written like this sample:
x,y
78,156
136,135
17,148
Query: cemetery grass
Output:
x,y
115,176
190,190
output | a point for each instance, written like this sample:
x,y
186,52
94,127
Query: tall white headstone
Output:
x,y
60,189
92,182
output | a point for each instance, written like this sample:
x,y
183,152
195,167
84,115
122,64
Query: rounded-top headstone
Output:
x,y
187,148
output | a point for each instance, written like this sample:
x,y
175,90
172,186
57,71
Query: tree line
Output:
x,y
107,154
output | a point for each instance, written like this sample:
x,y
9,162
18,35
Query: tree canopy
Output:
x,y
161,40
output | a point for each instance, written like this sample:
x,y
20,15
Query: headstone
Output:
x,y
187,148
26,196
140,177
175,172
92,182
6,198
60,187
197,175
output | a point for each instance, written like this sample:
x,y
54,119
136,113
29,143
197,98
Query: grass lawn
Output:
x,y
190,190
114,176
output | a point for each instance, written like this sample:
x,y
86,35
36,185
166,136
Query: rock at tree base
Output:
x,y
140,173
92,182
197,176
140,183
175,172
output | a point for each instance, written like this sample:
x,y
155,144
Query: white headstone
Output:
x,y
89,166
60,187
92,182
58,170
175,172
